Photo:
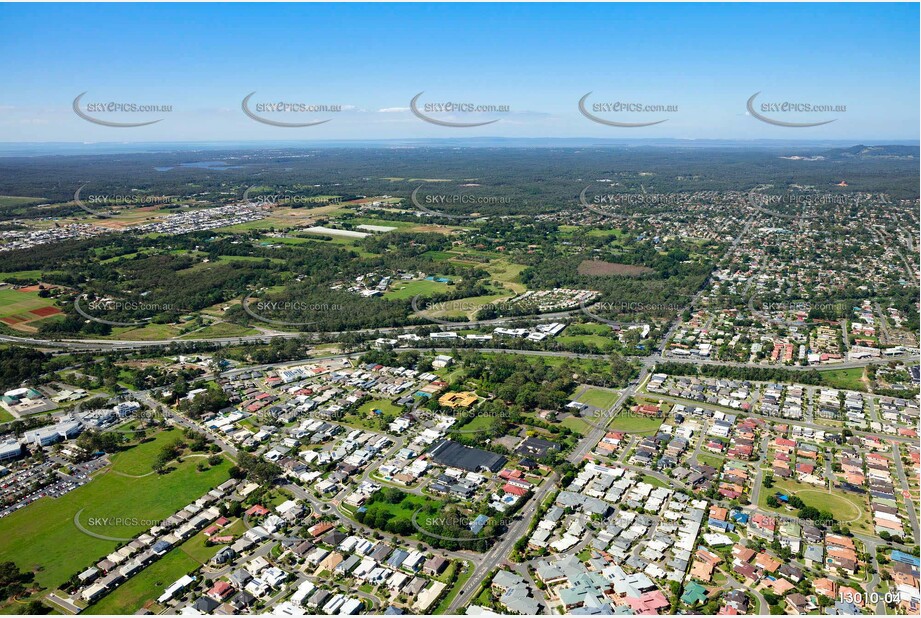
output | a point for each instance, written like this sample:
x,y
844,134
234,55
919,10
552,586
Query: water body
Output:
x,y
212,165
202,165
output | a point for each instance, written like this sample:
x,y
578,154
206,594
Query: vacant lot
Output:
x,y
599,268
598,398
409,289
845,378
635,424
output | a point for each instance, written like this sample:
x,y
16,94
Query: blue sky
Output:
x,y
537,59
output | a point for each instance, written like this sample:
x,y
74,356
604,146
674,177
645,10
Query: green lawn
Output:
x,y
149,332
844,378
143,589
383,405
15,200
248,258
409,505
599,341
139,459
576,424
847,510
21,274
399,225
221,329
635,424
478,423
42,537
598,398
710,460
365,418
403,290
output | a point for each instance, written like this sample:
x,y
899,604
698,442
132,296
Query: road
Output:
x,y
903,480
501,551
267,335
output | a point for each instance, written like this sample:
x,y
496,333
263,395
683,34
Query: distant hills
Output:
x,y
875,152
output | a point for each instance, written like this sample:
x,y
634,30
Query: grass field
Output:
x,y
576,424
400,225
221,329
847,510
635,424
42,537
710,460
149,332
508,274
16,301
598,398
598,341
248,258
143,589
464,307
407,507
366,419
13,200
402,290
139,459
844,378
21,309
21,274
478,423
380,404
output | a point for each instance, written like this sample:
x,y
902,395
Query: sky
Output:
x,y
698,64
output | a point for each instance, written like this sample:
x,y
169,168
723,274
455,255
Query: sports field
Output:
x,y
20,309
